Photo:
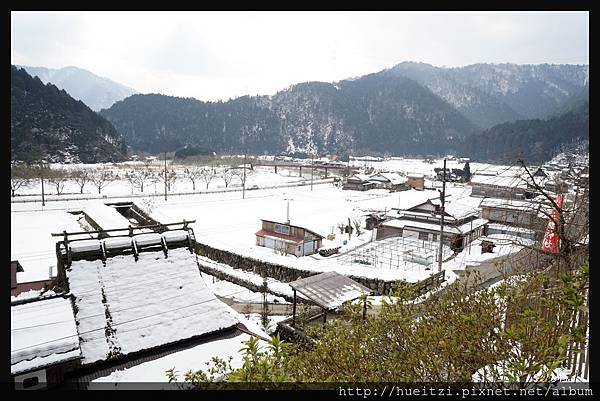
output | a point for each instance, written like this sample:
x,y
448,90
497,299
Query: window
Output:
x,y
279,228
423,236
30,382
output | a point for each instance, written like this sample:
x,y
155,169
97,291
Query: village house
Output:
x,y
520,218
416,181
18,286
359,182
44,343
509,185
391,181
135,299
462,223
288,238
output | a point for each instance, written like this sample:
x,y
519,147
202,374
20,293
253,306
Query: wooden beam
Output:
x,y
123,229
294,311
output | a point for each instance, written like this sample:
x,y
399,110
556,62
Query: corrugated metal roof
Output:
x,y
330,289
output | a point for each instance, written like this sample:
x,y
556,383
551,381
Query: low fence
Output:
x,y
57,198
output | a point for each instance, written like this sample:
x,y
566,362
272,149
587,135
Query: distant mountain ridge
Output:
x,y
411,109
96,92
489,94
375,112
47,121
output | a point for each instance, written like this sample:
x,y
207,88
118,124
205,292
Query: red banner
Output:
x,y
551,243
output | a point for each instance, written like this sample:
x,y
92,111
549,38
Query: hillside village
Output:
x,y
357,203
373,221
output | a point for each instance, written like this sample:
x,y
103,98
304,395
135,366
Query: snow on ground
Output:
x,y
31,243
272,284
256,318
259,177
151,302
237,293
42,333
226,221
506,245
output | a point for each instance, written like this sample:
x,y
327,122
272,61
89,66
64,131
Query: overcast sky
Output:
x,y
219,55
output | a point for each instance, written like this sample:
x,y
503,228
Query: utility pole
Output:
x,y
244,179
165,174
470,237
443,199
312,170
42,177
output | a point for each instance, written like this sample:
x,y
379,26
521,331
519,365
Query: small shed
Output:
x,y
416,181
15,267
328,290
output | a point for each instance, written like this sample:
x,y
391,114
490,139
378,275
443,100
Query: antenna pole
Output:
x,y
443,199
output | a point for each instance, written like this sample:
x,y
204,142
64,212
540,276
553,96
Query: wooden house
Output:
x,y
288,238
44,342
462,224
391,181
359,182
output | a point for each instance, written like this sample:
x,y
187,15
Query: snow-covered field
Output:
x,y
224,220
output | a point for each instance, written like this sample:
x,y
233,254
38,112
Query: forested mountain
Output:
x,y
489,94
63,129
533,91
484,109
534,140
579,100
377,112
96,92
410,109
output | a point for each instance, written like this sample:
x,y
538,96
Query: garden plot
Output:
x,y
416,259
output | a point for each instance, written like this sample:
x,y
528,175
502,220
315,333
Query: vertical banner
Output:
x,y
551,243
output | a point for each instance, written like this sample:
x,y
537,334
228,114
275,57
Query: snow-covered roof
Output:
x,y
392,178
359,177
505,180
402,223
42,333
405,223
106,216
125,306
511,229
472,225
330,289
509,204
